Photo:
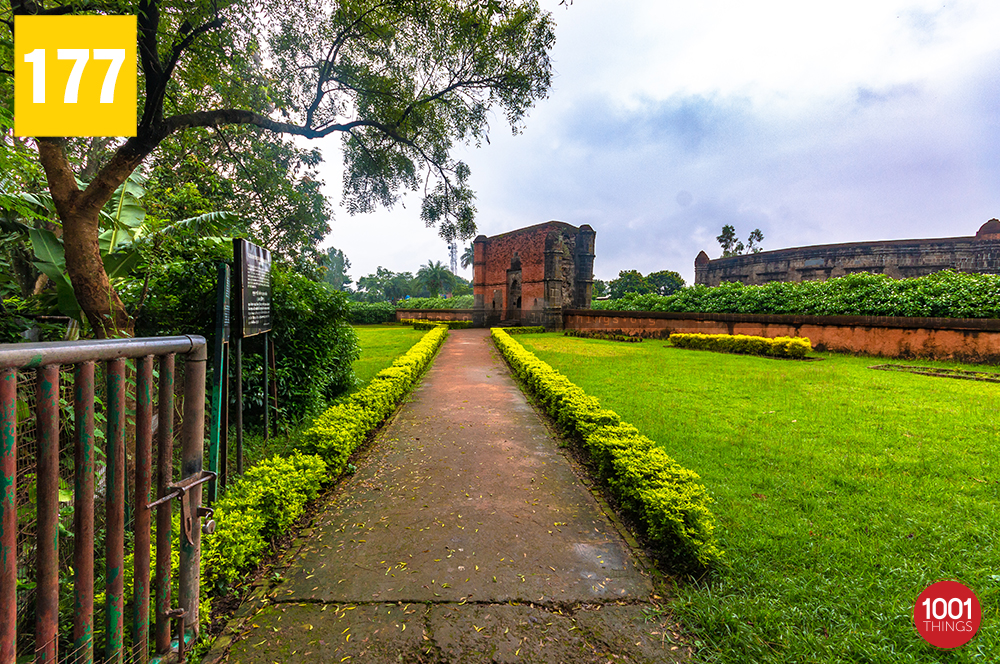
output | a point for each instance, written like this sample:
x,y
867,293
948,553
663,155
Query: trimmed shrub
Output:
x,y
742,344
457,302
372,313
341,429
663,498
605,336
262,504
527,329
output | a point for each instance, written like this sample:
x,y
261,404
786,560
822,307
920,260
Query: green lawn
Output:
x,y
841,493
380,345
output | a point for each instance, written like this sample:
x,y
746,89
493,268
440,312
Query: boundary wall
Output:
x,y
974,340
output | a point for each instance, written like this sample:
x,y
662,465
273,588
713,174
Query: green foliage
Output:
x,y
262,504
371,313
337,264
385,286
527,329
733,247
663,282
457,302
431,324
314,345
665,499
341,429
435,277
945,294
603,334
742,344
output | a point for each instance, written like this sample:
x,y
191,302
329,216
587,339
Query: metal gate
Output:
x,y
109,357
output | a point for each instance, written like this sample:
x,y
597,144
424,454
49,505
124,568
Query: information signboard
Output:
x,y
253,278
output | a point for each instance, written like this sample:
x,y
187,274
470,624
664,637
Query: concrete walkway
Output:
x,y
464,536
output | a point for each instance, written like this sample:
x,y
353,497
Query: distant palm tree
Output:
x,y
468,256
435,277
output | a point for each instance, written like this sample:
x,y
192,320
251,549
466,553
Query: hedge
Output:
x,y
603,335
665,500
457,302
261,505
371,313
341,429
419,324
743,344
527,329
945,294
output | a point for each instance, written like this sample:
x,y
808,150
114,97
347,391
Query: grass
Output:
x,y
841,492
380,346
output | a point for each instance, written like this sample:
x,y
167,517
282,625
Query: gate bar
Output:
x,y
8,524
83,513
47,495
164,476
143,477
114,510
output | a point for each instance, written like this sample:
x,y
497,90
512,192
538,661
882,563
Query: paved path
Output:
x,y
464,536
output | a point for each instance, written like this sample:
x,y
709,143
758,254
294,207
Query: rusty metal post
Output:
x,y
83,513
192,450
8,516
164,475
114,510
47,494
143,478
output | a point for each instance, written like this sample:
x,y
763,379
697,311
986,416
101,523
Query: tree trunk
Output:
x,y
79,212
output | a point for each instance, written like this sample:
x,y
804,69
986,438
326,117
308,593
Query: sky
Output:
x,y
815,121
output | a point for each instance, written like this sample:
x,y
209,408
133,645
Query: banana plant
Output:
x,y
124,223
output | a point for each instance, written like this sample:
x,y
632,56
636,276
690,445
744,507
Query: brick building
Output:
x,y
529,276
895,258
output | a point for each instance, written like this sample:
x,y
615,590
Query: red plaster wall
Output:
x,y
937,342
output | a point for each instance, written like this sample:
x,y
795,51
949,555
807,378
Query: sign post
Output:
x,y
216,446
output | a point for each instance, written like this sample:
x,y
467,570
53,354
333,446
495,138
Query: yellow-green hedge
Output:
x,y
743,344
663,498
342,428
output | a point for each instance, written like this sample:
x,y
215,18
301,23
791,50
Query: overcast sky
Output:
x,y
817,121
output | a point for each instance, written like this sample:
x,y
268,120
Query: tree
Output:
x,y
733,247
600,288
468,256
629,281
435,277
400,80
337,265
665,282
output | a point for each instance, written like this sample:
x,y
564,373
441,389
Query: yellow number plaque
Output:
x,y
74,75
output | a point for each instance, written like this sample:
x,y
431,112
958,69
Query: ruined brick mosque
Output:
x,y
530,275
894,258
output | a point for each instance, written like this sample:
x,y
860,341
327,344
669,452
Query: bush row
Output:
x,y
419,324
528,329
371,313
599,334
341,429
664,499
743,344
261,505
945,294
457,302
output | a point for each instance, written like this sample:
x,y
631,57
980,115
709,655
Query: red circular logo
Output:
x,y
947,614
